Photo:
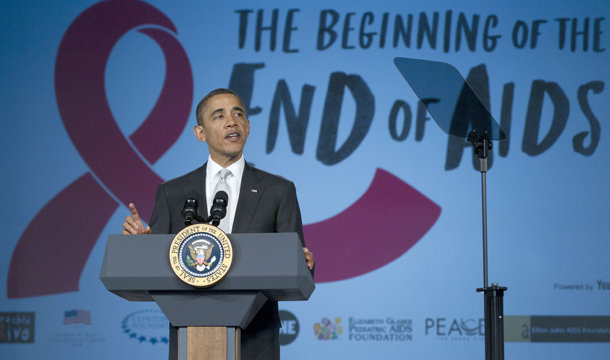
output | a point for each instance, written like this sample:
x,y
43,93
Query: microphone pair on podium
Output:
x,y
217,212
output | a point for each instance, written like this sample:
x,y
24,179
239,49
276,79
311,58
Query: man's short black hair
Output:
x,y
201,107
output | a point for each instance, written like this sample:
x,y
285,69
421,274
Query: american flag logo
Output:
x,y
77,317
254,190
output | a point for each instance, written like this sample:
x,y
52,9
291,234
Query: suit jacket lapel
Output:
x,y
197,183
250,193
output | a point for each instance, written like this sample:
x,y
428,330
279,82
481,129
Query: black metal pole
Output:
x,y
493,300
484,197
494,321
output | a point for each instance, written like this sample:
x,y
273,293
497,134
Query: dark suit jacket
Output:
x,y
267,204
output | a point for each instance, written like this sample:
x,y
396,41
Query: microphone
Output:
x,y
219,207
189,211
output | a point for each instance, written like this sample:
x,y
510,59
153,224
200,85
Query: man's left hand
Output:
x,y
309,258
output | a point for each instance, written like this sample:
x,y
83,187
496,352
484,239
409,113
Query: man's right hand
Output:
x,y
133,225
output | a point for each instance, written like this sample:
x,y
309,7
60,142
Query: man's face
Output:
x,y
225,128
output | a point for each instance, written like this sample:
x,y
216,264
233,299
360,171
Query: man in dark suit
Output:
x,y
266,202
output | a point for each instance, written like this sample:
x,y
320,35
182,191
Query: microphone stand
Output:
x,y
494,304
215,221
212,220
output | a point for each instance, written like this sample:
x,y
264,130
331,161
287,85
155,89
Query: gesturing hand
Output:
x,y
133,225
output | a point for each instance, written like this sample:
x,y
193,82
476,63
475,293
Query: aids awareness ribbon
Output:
x,y
389,219
51,253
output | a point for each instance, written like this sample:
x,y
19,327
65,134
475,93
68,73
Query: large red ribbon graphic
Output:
x,y
66,229
389,218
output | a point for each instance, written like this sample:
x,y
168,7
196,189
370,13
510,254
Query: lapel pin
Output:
x,y
254,190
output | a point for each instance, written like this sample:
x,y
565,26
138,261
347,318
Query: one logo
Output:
x,y
146,326
17,327
290,327
201,255
327,330
77,317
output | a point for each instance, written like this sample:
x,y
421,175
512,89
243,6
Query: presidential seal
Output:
x,y
201,255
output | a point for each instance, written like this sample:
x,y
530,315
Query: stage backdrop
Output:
x,y
97,102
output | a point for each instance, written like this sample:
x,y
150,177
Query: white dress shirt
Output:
x,y
234,182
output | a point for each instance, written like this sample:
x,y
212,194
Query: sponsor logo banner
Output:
x,y
147,326
17,327
328,330
557,328
77,317
389,329
290,327
456,329
77,329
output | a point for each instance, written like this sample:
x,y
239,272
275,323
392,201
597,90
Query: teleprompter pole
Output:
x,y
494,321
494,305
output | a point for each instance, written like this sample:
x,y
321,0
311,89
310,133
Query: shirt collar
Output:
x,y
237,169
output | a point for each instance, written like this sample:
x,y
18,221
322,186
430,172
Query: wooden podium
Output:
x,y
265,267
